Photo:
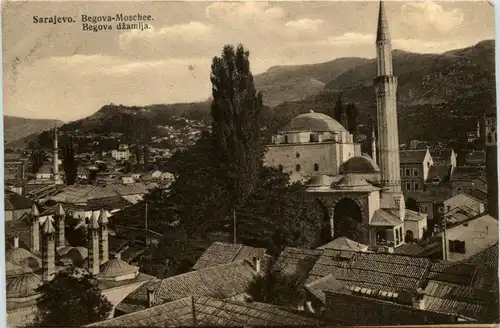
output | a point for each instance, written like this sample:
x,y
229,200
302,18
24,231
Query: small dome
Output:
x,y
312,121
359,164
23,285
64,250
13,269
20,256
117,267
350,181
320,181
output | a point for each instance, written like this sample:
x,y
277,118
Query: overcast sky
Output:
x,y
62,72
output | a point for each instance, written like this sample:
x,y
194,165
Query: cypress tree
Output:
x,y
69,163
236,109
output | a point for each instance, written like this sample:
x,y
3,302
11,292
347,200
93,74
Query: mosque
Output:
x,y
362,194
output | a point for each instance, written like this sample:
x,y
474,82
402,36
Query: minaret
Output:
x,y
35,229
385,88
491,164
93,236
61,226
374,145
48,252
55,158
104,249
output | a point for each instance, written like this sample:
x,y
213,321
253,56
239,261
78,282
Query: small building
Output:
x,y
464,200
476,158
415,166
15,167
121,155
446,157
15,205
469,237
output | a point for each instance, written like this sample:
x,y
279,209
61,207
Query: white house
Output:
x,y
469,237
121,155
464,200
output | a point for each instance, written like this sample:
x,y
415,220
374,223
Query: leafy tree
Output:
x,y
352,118
146,153
71,299
412,204
339,111
38,157
76,236
69,162
236,109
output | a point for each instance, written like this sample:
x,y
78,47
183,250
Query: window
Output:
x,y
316,167
297,167
423,209
401,233
397,236
280,168
448,208
415,172
407,172
408,186
459,189
297,155
436,179
416,186
441,209
456,246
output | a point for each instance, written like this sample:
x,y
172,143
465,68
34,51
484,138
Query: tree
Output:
x,y
38,157
71,299
412,204
146,152
278,289
236,109
352,118
69,163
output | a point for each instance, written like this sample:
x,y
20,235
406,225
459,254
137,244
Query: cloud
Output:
x,y
305,24
428,16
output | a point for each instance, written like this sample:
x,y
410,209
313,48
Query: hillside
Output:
x,y
292,83
15,128
439,95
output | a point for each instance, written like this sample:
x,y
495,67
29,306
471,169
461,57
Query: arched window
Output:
x,y
407,172
297,155
316,167
459,189
297,167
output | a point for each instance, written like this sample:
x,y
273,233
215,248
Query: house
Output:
x,y
223,253
464,200
194,311
121,155
475,158
15,167
415,166
445,157
343,243
15,205
464,178
469,237
226,281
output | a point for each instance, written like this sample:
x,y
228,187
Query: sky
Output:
x,y
62,72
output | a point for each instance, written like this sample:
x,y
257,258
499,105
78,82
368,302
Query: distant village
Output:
x,y
426,251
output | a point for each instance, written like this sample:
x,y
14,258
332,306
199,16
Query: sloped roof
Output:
x,y
441,155
223,281
487,257
384,218
467,173
412,156
84,193
344,243
207,311
116,268
359,164
296,262
328,283
14,201
313,122
439,171
222,253
409,249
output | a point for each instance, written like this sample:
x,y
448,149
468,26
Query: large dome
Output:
x,y
116,267
313,122
359,164
21,256
23,285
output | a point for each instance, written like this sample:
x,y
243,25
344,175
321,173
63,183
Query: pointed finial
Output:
x,y
60,210
103,217
94,220
34,210
383,26
373,132
48,227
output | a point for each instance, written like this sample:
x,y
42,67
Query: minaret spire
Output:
x,y
374,145
385,88
55,158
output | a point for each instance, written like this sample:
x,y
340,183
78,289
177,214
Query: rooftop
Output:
x,y
412,156
222,253
14,201
313,122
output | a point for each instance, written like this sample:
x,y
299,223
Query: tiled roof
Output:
x,y
390,272
15,201
222,253
344,244
328,283
17,228
223,281
84,193
477,155
462,300
467,173
487,257
296,262
109,203
433,196
412,156
409,249
409,214
459,214
207,311
482,195
439,171
441,155
452,272
384,218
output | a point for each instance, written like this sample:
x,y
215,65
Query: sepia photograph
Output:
x,y
250,163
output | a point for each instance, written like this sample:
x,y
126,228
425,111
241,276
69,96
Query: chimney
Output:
x,y
94,243
35,230
16,242
61,225
48,251
309,307
103,238
151,297
256,263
